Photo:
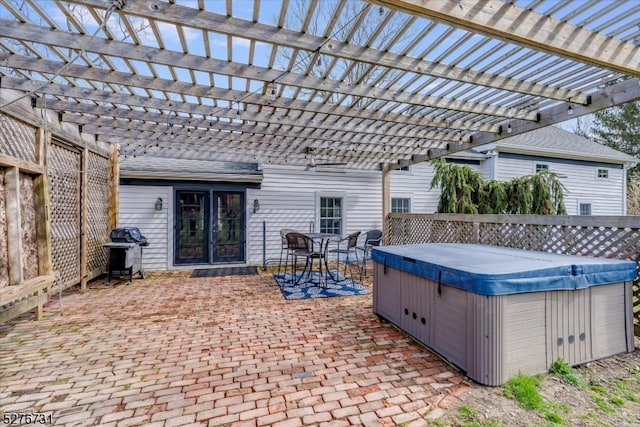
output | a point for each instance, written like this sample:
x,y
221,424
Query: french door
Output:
x,y
210,227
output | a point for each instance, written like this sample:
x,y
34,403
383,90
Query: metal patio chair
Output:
x,y
301,245
347,247
372,238
284,249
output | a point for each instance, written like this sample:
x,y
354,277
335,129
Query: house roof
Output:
x,y
553,141
146,167
376,83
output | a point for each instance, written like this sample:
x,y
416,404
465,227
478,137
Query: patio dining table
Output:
x,y
323,240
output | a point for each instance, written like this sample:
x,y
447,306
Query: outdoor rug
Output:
x,y
312,288
224,271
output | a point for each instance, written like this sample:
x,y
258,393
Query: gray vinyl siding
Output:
x,y
137,210
415,185
288,199
581,183
488,168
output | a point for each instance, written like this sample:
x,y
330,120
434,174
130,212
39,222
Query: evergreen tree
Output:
x,y
463,190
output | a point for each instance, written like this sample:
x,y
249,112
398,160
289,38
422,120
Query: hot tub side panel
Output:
x,y
417,307
485,338
569,326
612,319
525,340
387,293
450,324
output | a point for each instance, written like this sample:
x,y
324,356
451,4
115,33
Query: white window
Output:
x,y
584,209
603,173
542,167
331,215
400,205
404,168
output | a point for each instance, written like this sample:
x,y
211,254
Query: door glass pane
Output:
x,y
230,232
191,233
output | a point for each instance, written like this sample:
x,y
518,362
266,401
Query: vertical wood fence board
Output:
x,y
83,221
114,185
41,195
41,190
28,228
4,256
14,229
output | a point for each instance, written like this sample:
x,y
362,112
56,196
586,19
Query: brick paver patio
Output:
x,y
230,351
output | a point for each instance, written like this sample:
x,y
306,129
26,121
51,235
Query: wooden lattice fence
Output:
x,y
64,211
97,172
57,204
604,236
79,201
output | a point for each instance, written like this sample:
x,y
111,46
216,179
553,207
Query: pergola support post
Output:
x,y
386,199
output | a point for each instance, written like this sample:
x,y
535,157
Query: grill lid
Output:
x,y
129,235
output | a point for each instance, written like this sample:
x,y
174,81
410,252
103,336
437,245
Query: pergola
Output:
x,y
372,85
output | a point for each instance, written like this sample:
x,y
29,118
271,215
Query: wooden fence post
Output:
x,y
84,164
114,182
14,225
41,190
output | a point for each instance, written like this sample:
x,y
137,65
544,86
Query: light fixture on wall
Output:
x,y
158,204
256,206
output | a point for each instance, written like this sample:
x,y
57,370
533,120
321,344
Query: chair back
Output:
x,y
283,235
352,240
298,241
373,238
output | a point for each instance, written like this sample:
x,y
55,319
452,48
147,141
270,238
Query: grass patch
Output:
x,y
618,401
554,418
524,390
467,416
603,405
567,374
467,413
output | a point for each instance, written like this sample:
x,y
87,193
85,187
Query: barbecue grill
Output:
x,y
125,253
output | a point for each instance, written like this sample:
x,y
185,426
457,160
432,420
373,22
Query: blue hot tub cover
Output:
x,y
495,270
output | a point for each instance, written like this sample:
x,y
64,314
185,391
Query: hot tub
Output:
x,y
495,311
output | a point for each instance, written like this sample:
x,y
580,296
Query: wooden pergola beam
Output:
x,y
207,21
525,27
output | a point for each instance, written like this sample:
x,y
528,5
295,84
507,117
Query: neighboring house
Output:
x,y
594,175
200,212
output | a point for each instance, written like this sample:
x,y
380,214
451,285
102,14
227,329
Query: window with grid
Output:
x,y
331,215
542,167
400,205
585,209
603,173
